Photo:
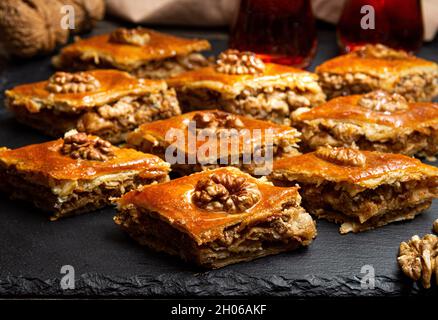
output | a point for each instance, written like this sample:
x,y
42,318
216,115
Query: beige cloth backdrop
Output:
x,y
222,12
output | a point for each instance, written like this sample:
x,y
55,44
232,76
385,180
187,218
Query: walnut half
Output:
x,y
418,258
343,156
380,51
235,62
65,82
136,37
81,146
225,192
217,119
380,100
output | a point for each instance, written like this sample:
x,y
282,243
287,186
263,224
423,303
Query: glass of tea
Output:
x,y
279,31
397,24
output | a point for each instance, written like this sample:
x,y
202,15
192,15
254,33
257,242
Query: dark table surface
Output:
x,y
108,263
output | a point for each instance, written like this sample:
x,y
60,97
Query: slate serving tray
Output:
x,y
107,263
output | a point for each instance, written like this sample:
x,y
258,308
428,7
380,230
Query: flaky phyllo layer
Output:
x,y
340,133
286,231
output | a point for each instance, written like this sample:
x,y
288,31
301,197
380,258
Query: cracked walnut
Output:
x,y
136,37
65,82
81,146
217,119
225,192
380,100
418,258
380,51
235,62
342,156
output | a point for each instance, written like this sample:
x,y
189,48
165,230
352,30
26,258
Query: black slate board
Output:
x,y
108,263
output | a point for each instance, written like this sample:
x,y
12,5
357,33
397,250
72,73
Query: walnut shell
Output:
x,y
32,27
87,13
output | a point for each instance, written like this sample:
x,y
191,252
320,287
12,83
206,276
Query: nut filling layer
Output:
x,y
269,103
222,192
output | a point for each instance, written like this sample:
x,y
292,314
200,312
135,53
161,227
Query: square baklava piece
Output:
x,y
216,218
241,83
376,121
207,139
77,174
360,190
142,52
373,67
105,103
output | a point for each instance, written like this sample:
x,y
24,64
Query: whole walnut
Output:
x,y
31,27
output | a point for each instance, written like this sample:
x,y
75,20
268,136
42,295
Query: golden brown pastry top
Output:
x,y
113,84
279,76
48,162
160,46
158,130
375,169
173,202
347,108
381,67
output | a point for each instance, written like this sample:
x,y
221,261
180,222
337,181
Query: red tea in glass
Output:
x,y
280,31
397,24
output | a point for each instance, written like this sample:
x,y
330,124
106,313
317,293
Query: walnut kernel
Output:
x,y
418,258
217,119
235,62
380,100
343,156
65,82
81,146
435,226
380,51
225,192
137,36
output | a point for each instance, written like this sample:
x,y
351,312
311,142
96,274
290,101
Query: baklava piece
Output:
x,y
142,52
105,103
241,83
373,67
376,121
212,138
216,218
361,190
77,174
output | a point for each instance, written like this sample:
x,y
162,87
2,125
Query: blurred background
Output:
x,y
280,31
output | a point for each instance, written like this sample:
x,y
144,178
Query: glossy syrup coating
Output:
x,y
379,168
47,163
272,75
416,115
173,202
159,129
353,63
114,84
160,46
